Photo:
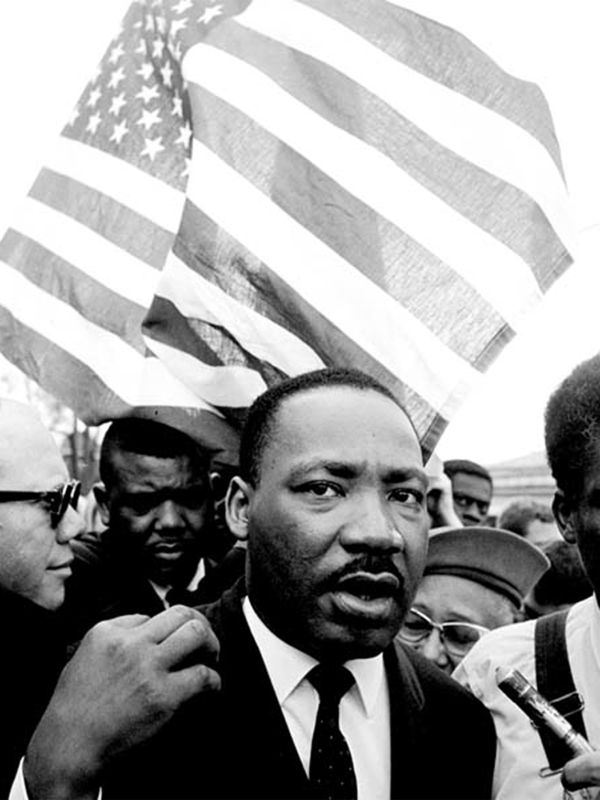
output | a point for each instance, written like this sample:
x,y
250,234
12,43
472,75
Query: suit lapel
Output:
x,y
406,728
269,750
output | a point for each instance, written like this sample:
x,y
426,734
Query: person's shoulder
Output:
x,y
436,686
510,647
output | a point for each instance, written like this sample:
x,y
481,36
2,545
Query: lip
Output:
x,y
64,567
367,596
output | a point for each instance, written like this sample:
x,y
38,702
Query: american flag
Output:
x,y
256,188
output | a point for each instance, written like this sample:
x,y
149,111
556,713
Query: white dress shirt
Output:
x,y
364,709
162,591
520,754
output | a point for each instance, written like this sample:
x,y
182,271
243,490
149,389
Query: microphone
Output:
x,y
518,689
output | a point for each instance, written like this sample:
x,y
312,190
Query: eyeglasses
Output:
x,y
58,499
457,637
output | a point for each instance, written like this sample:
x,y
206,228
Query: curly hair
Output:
x,y
572,426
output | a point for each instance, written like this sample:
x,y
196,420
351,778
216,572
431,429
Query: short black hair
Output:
x,y
572,426
149,438
261,414
518,515
455,465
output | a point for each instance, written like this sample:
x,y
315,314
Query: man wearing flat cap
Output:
x,y
475,580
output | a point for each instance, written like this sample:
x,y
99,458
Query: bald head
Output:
x,y
35,552
23,439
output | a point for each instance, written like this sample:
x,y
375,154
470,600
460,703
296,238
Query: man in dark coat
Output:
x,y
332,500
159,546
37,524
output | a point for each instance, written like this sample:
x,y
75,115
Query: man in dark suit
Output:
x,y
159,546
331,498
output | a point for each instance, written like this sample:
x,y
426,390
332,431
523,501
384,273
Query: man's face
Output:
x,y
34,556
159,509
472,496
449,598
337,526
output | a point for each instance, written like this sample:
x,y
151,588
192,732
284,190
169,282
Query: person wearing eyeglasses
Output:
x,y
156,657
475,580
38,520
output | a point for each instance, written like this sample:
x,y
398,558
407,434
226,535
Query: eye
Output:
x,y
321,489
407,496
141,504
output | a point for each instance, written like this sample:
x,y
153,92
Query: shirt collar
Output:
x,y
287,666
162,591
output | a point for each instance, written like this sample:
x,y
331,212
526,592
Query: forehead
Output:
x,y
137,469
472,485
341,424
29,458
447,598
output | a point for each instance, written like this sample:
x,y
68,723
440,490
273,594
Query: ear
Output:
x,y
101,496
563,513
237,502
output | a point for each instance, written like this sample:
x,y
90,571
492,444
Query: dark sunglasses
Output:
x,y
58,499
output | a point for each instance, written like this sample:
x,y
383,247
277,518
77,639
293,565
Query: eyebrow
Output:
x,y
343,469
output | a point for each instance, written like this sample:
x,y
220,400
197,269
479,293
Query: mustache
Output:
x,y
370,563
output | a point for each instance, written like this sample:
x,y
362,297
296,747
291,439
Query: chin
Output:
x,y
350,644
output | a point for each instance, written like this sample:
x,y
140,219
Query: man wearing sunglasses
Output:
x,y
38,520
475,580
135,662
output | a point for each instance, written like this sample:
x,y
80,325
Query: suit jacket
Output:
x,y
107,582
236,744
32,655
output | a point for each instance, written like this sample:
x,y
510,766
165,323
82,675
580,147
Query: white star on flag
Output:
x,y
183,5
93,123
116,77
119,132
147,93
149,118
210,13
185,134
116,53
116,104
95,95
145,70
152,147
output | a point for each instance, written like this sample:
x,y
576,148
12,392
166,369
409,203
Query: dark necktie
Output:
x,y
331,769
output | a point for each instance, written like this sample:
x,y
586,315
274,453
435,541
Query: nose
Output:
x,y
434,650
71,525
372,526
472,513
168,515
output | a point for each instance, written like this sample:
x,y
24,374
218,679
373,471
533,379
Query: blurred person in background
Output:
x,y
472,489
530,519
475,580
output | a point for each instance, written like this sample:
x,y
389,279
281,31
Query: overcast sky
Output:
x,y
49,48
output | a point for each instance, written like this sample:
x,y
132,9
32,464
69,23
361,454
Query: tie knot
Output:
x,y
331,681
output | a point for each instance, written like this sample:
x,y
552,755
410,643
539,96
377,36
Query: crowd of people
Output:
x,y
328,623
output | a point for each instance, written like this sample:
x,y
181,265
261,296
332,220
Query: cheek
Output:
x,y
134,525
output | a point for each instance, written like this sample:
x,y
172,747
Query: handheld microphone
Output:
x,y
518,689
